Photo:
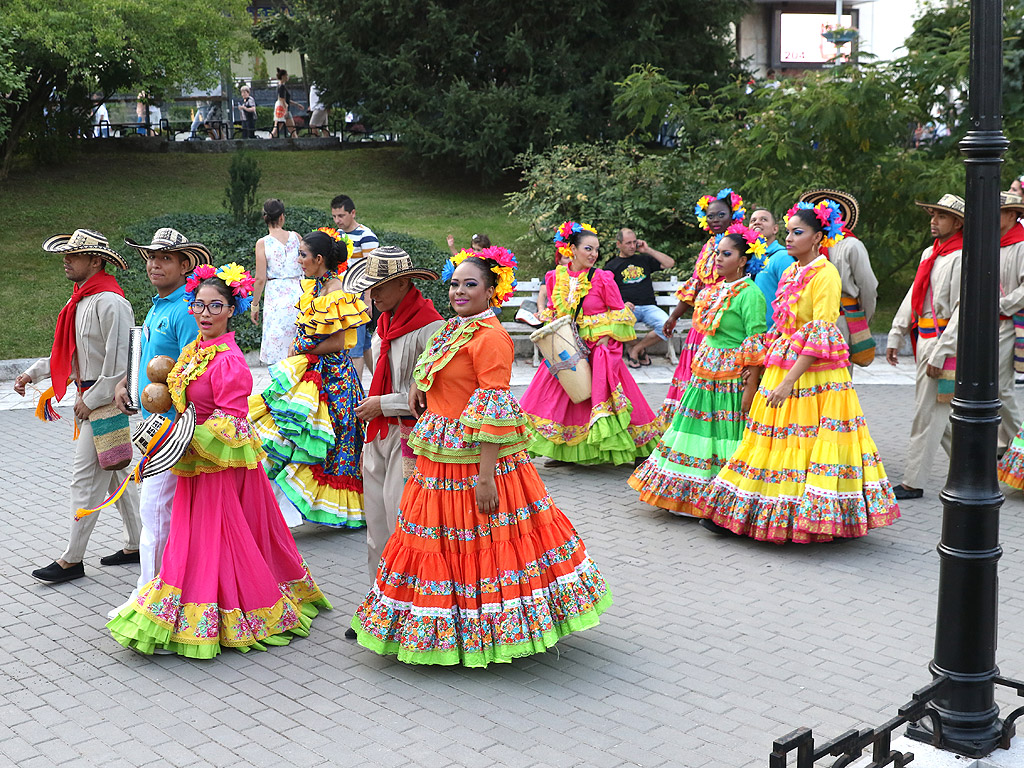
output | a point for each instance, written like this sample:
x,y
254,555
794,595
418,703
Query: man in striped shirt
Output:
x,y
343,211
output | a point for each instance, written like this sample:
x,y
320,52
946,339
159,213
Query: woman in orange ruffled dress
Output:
x,y
806,469
715,214
482,567
306,417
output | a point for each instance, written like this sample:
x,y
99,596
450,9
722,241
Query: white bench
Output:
x,y
664,291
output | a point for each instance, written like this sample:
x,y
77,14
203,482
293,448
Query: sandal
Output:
x,y
632,362
644,359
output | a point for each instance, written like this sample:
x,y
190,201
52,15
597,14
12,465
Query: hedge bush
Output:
x,y
229,242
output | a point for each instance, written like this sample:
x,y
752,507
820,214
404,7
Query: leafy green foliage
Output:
x,y
477,83
243,186
609,186
229,242
67,51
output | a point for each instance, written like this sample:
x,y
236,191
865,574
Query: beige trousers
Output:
x,y
1009,413
930,427
90,485
383,484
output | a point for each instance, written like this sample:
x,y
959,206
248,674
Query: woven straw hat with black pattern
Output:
x,y
167,240
384,263
85,241
1011,202
947,203
847,203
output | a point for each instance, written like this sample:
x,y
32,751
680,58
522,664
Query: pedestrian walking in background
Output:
x,y
806,469
482,567
248,113
90,350
278,283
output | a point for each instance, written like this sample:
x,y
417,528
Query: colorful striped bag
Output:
x,y
1018,342
862,343
111,436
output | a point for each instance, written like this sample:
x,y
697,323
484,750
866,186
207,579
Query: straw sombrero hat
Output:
x,y
949,203
85,241
384,263
169,240
1011,202
847,203
163,442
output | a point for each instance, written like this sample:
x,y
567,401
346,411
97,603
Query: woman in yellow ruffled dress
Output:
x,y
306,417
807,468
615,425
230,576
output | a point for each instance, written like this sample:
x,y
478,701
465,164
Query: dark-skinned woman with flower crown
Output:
x,y
230,576
708,424
306,416
806,469
482,566
615,425
715,214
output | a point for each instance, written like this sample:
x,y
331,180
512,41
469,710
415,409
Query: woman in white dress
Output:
x,y
279,274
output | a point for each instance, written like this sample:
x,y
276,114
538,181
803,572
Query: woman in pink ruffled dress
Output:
x,y
231,575
615,425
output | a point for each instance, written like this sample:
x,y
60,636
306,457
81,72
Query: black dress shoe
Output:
x,y
350,634
901,492
710,525
55,574
120,558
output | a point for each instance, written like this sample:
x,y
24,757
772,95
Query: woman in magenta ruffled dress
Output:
x,y
615,425
231,575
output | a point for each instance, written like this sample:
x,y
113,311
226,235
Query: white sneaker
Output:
x,y
526,316
112,613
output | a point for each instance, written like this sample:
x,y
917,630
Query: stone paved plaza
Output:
x,y
714,646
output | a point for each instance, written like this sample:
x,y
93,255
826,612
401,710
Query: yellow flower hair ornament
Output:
x,y
504,269
339,237
565,231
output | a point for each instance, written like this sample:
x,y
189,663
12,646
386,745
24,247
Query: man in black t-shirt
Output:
x,y
633,267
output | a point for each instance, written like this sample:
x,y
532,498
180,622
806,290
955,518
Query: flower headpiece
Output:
x,y
235,276
564,232
505,270
830,216
339,237
756,247
727,196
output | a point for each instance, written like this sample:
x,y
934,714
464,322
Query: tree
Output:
x,y
476,83
67,51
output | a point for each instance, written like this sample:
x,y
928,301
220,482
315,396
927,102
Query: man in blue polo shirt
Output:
x,y
776,258
343,211
169,326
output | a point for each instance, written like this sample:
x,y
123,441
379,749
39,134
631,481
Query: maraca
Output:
x,y
158,368
156,397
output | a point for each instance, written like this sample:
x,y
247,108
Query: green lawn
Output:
x,y
108,192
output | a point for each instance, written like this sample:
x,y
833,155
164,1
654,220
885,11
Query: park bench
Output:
x,y
664,291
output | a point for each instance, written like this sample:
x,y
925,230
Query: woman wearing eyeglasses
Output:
x,y
715,214
306,417
231,576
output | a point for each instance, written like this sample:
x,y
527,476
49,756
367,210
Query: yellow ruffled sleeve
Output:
x,y
330,313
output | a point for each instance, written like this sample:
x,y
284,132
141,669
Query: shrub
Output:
x,y
243,186
229,242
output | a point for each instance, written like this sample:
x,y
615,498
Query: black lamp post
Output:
x,y
965,630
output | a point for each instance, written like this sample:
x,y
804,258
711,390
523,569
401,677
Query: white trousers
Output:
x,y
930,427
90,485
383,484
155,510
1009,413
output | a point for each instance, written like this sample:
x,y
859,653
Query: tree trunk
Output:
x,y
25,110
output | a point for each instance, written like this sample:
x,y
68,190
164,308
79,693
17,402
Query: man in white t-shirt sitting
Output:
x,y
343,211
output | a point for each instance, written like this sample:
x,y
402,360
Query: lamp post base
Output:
x,y
927,756
959,742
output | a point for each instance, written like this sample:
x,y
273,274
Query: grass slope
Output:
x,y
110,192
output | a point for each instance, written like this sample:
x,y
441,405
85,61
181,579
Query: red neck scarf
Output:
x,y
1014,236
412,313
63,351
924,270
